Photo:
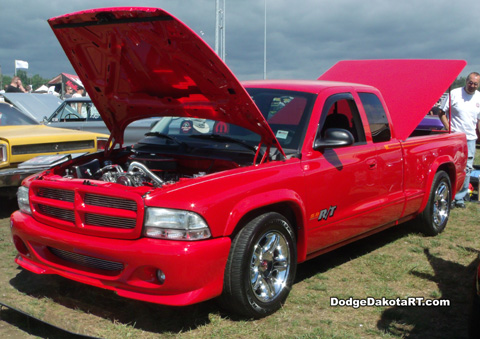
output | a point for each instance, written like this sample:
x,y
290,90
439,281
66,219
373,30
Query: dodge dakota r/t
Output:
x,y
239,182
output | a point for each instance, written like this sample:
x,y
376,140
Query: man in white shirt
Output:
x,y
465,110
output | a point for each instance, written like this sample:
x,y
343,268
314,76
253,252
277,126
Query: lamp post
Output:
x,y
265,44
220,28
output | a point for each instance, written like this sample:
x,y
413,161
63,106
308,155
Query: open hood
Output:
x,y
410,88
36,105
138,63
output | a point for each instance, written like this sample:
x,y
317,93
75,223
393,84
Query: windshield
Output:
x,y
286,112
10,116
76,111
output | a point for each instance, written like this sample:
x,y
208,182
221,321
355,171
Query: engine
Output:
x,y
153,172
137,175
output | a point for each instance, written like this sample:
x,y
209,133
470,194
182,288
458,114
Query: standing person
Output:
x,y
68,92
79,94
465,110
15,86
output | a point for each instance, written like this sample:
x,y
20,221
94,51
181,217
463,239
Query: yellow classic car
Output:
x,y
22,138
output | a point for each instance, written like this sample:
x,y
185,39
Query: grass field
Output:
x,y
397,263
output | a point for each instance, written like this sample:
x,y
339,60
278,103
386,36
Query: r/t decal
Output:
x,y
327,213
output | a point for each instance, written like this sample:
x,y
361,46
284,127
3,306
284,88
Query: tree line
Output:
x,y
35,81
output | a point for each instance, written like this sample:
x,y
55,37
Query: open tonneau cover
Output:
x,y
410,88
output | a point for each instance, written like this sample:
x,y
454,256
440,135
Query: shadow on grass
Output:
x,y
7,207
33,326
356,249
107,305
454,283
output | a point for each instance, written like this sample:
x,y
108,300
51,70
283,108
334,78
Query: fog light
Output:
x,y
160,277
20,245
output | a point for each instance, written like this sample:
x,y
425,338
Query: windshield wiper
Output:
x,y
223,138
165,136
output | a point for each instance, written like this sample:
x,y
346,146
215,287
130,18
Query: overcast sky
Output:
x,y
304,37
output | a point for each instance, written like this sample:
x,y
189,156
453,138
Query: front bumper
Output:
x,y
13,177
193,270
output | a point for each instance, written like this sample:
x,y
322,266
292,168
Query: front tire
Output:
x,y
261,267
434,218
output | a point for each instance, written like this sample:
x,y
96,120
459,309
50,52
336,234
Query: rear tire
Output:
x,y
434,218
261,267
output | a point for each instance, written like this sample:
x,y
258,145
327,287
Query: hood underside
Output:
x,y
138,63
410,88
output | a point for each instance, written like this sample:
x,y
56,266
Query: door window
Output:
x,y
377,118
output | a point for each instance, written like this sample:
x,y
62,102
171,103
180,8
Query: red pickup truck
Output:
x,y
239,182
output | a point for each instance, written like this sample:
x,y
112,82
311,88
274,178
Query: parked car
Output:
x,y
430,123
81,114
22,138
37,106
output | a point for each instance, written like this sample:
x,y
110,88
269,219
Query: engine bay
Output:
x,y
152,170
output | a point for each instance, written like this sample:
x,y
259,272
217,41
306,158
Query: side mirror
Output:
x,y
334,138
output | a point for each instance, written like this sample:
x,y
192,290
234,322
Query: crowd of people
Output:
x,y
16,86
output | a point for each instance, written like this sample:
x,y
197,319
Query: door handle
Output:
x,y
372,164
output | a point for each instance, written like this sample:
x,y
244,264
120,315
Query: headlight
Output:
x,y
163,223
3,153
23,200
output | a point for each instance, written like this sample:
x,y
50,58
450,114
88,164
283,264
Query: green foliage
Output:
x,y
460,82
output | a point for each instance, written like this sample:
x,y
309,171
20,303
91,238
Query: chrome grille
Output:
x,y
57,194
53,147
86,261
55,212
110,202
109,221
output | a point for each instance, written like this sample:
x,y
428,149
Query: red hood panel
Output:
x,y
142,62
410,88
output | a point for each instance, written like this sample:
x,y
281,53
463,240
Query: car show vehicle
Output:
x,y
239,182
22,138
81,114
37,106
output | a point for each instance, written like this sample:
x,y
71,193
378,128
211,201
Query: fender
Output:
x,y
263,200
443,161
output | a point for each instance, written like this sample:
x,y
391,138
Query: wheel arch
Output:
x,y
440,165
286,203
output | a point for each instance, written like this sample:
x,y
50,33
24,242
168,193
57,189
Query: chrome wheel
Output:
x,y
269,268
434,217
441,204
261,266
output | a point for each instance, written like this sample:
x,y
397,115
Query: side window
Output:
x,y
67,113
93,113
377,118
340,111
